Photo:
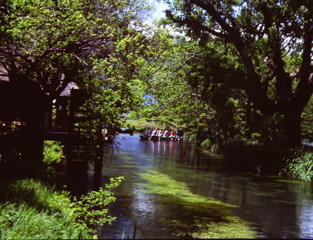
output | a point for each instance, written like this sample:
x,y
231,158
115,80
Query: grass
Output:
x,y
196,216
31,210
20,221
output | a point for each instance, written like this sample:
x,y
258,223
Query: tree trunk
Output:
x,y
292,129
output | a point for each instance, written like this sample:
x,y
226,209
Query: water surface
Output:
x,y
279,209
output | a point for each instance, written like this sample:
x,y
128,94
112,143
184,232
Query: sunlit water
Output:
x,y
279,209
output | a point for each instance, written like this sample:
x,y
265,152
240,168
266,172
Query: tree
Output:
x,y
98,44
166,94
273,42
52,43
189,88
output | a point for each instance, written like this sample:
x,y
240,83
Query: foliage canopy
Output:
x,y
262,49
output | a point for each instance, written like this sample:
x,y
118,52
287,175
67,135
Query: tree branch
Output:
x,y
304,88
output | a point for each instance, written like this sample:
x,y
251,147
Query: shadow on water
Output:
x,y
279,209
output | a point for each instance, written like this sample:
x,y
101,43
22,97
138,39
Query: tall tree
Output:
x,y
195,87
273,42
54,42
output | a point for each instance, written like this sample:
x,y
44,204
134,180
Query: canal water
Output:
x,y
279,209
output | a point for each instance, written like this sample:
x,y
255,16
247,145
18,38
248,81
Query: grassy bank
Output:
x,y
34,209
248,155
31,210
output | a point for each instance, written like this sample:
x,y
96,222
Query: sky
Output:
x,y
158,13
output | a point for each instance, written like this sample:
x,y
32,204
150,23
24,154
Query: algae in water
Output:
x,y
194,215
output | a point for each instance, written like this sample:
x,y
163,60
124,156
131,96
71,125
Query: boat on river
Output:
x,y
157,138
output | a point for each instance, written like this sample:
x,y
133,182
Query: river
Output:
x,y
278,208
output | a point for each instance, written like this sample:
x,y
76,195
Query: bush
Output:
x,y
300,166
31,210
24,222
206,144
53,152
54,161
90,209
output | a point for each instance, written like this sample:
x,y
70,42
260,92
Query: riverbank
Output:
x,y
34,209
31,210
247,155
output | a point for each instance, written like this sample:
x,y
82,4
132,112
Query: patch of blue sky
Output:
x,y
149,100
157,12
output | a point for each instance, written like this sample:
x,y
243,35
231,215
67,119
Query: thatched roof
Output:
x,y
3,74
67,90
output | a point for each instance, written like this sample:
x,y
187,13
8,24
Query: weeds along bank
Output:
x,y
30,209
299,165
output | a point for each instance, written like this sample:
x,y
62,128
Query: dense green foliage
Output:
x,y
259,33
225,71
53,152
99,45
54,161
23,222
31,210
250,74
236,74
299,165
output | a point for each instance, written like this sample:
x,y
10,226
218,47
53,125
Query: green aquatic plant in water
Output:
x,y
196,216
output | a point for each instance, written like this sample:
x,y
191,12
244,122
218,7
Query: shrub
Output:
x,y
53,159
31,210
206,144
90,209
53,152
24,222
300,165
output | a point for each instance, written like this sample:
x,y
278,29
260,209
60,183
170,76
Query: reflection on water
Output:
x,y
279,209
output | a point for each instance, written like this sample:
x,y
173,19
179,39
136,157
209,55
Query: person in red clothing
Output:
x,y
172,134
